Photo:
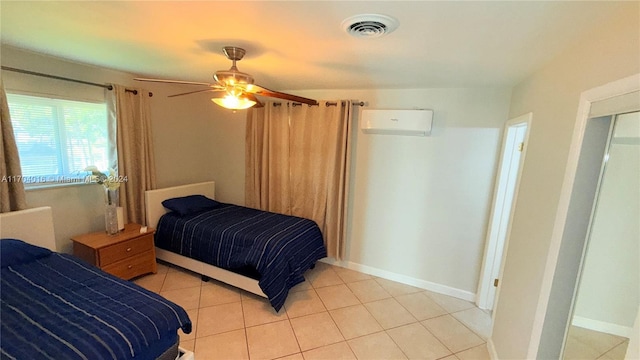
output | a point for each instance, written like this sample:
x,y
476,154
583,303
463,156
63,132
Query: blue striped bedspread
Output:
x,y
59,307
280,247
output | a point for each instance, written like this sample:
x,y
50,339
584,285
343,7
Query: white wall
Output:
x,y
608,53
608,296
184,136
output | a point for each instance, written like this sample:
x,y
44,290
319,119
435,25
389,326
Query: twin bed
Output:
x,y
261,252
55,306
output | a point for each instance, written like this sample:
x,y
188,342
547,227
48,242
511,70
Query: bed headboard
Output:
x,y
154,198
34,226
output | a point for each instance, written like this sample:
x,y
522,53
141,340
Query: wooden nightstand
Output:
x,y
126,255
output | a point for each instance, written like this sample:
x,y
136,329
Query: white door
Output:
x,y
511,159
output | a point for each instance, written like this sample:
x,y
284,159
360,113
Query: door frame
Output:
x,y
554,309
491,260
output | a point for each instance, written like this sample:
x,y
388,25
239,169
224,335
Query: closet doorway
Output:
x,y
608,295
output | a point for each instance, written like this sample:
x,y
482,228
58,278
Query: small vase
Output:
x,y
111,219
111,211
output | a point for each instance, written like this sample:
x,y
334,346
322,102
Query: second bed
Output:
x,y
262,252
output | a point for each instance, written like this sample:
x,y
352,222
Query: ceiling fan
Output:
x,y
234,89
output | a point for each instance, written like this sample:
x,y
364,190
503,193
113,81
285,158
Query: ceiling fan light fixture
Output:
x,y
231,102
234,89
369,25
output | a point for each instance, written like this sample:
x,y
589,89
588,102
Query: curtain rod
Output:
x,y
327,104
28,72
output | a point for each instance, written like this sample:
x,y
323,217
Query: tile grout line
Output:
x,y
195,331
329,313
334,321
382,327
465,325
331,317
360,302
383,330
294,332
458,320
244,328
461,323
421,324
435,317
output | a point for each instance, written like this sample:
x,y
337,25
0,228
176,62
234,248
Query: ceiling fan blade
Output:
x,y
262,91
252,97
194,92
175,82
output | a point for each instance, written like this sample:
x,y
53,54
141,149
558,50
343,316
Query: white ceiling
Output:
x,y
300,44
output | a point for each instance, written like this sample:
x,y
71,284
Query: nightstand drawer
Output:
x,y
127,254
125,249
133,266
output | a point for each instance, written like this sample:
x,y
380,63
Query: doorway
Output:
x,y
504,199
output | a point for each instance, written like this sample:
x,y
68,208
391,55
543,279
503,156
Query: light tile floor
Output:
x,y
336,314
585,344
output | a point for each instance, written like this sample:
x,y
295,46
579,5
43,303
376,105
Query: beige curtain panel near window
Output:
x,y
135,149
12,196
297,162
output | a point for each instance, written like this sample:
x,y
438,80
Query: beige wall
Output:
x,y
418,205
196,145
187,142
431,194
194,139
608,53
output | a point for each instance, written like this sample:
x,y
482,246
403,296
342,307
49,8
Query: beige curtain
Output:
x,y
135,149
298,162
267,181
12,196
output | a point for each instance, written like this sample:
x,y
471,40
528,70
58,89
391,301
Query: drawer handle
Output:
x,y
128,249
129,267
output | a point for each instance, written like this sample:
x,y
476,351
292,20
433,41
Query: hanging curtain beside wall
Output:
x,y
12,196
267,182
135,149
297,162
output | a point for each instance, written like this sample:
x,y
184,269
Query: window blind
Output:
x,y
58,138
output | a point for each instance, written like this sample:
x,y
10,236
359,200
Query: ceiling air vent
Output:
x,y
369,25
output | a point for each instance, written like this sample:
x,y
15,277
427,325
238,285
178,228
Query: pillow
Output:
x,y
190,204
16,252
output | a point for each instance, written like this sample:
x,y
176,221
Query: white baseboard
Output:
x,y
601,326
408,280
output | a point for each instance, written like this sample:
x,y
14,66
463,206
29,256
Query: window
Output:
x,y
57,138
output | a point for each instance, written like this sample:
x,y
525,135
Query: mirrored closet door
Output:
x,y
608,297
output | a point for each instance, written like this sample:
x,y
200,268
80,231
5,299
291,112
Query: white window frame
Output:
x,y
74,177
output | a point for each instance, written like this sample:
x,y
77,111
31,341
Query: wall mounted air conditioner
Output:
x,y
397,122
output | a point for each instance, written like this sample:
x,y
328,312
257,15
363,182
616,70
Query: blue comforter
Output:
x,y
279,247
55,306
